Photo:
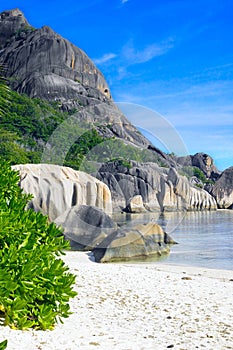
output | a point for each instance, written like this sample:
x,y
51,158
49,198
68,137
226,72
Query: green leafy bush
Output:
x,y
3,345
35,285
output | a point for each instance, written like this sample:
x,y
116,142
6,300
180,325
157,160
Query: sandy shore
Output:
x,y
136,307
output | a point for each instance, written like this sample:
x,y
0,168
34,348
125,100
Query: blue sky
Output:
x,y
174,57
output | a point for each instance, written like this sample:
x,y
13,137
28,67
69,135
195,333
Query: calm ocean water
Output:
x,y
205,238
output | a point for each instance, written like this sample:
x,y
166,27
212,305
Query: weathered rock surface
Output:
x,y
56,188
202,161
41,63
137,242
178,194
11,22
85,226
223,189
135,205
160,189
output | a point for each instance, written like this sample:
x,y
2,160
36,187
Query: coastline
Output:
x,y
139,306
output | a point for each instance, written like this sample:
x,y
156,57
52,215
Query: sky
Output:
x,y
174,58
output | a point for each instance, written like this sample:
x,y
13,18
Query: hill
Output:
x,y
61,111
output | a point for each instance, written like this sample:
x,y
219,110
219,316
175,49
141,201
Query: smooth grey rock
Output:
x,y
11,23
85,226
223,189
43,64
202,161
56,188
140,241
160,189
135,205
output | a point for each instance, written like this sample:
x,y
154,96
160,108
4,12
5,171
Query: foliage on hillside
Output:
x,y
26,127
192,171
35,285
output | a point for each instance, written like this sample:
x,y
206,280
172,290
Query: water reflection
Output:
x,y
205,238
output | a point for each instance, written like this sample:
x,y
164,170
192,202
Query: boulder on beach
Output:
x,y
223,189
85,226
141,241
135,205
57,188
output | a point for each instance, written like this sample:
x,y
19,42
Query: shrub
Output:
x,y
3,345
35,285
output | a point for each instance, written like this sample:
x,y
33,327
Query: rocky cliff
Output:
x,y
41,63
202,161
161,189
223,189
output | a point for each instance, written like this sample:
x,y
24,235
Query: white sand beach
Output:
x,y
139,307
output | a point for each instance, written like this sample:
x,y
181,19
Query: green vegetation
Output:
x,y
4,94
3,345
115,149
27,125
190,171
25,30
35,285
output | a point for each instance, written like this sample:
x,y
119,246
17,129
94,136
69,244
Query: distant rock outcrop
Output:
x,y
56,188
223,189
141,241
11,24
202,161
161,189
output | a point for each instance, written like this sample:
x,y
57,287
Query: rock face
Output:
x,y
56,189
202,161
135,205
138,242
11,22
159,188
41,63
223,189
178,194
46,63
85,226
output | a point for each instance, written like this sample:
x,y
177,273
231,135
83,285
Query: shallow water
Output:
x,y
205,239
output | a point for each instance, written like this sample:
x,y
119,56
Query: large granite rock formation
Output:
x,y
161,189
223,189
85,226
140,241
56,189
202,161
41,63
11,24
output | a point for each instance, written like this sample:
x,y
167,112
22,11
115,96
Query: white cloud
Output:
x,y
134,56
105,58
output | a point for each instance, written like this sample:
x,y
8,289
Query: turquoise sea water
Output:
x,y
205,239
